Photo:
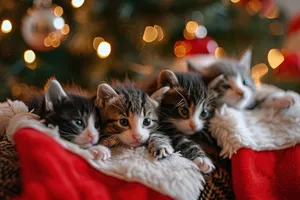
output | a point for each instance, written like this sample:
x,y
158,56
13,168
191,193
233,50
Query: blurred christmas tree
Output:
x,y
87,42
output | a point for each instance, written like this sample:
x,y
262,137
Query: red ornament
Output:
x,y
290,67
205,45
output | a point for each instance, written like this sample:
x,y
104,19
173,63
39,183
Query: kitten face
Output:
x,y
129,115
76,116
232,82
188,105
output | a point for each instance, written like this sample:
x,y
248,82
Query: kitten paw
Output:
x,y
162,152
284,102
100,152
204,164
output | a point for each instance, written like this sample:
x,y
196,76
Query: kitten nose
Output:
x,y
90,135
136,137
192,125
241,93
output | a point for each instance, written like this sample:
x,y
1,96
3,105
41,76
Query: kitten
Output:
x,y
231,81
278,100
76,117
185,111
129,118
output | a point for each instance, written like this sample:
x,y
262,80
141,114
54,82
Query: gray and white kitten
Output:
x,y
231,81
130,119
184,113
76,117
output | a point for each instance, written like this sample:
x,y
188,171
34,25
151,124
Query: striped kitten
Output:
x,y
231,81
76,117
129,118
185,111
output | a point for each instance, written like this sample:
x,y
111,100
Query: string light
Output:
x,y
29,56
275,58
6,26
58,11
103,49
150,34
77,3
191,26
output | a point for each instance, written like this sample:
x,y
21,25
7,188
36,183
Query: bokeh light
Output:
x,y
180,51
160,32
29,56
201,32
96,42
274,13
77,3
103,49
276,28
58,11
220,52
212,46
65,30
150,34
275,58
58,23
6,26
258,71
235,1
191,26
187,35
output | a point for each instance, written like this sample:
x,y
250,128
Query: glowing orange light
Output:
x,y
150,34
96,42
160,32
180,51
29,56
191,26
65,30
58,11
220,52
275,58
258,71
187,35
274,13
235,1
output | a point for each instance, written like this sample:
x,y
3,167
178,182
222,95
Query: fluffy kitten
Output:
x,y
76,117
231,81
185,111
129,118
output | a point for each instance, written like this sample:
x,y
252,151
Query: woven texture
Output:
x,y
218,184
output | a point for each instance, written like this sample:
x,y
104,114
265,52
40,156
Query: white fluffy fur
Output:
x,y
176,176
259,129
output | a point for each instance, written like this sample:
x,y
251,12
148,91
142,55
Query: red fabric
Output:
x,y
294,24
289,69
270,175
50,172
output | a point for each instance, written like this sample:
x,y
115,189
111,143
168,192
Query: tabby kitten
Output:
x,y
185,111
231,81
129,118
76,117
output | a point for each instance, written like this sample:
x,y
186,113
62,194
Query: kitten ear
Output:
x,y
159,95
214,83
167,78
54,93
104,93
245,60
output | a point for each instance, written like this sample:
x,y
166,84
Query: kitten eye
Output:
x,y
147,122
245,82
79,122
204,114
124,122
226,86
184,111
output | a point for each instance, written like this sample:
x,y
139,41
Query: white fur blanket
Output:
x,y
259,129
175,176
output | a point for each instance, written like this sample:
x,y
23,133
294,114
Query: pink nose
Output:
x,y
136,137
90,136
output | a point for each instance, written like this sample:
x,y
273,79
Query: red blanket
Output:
x,y
50,172
266,175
